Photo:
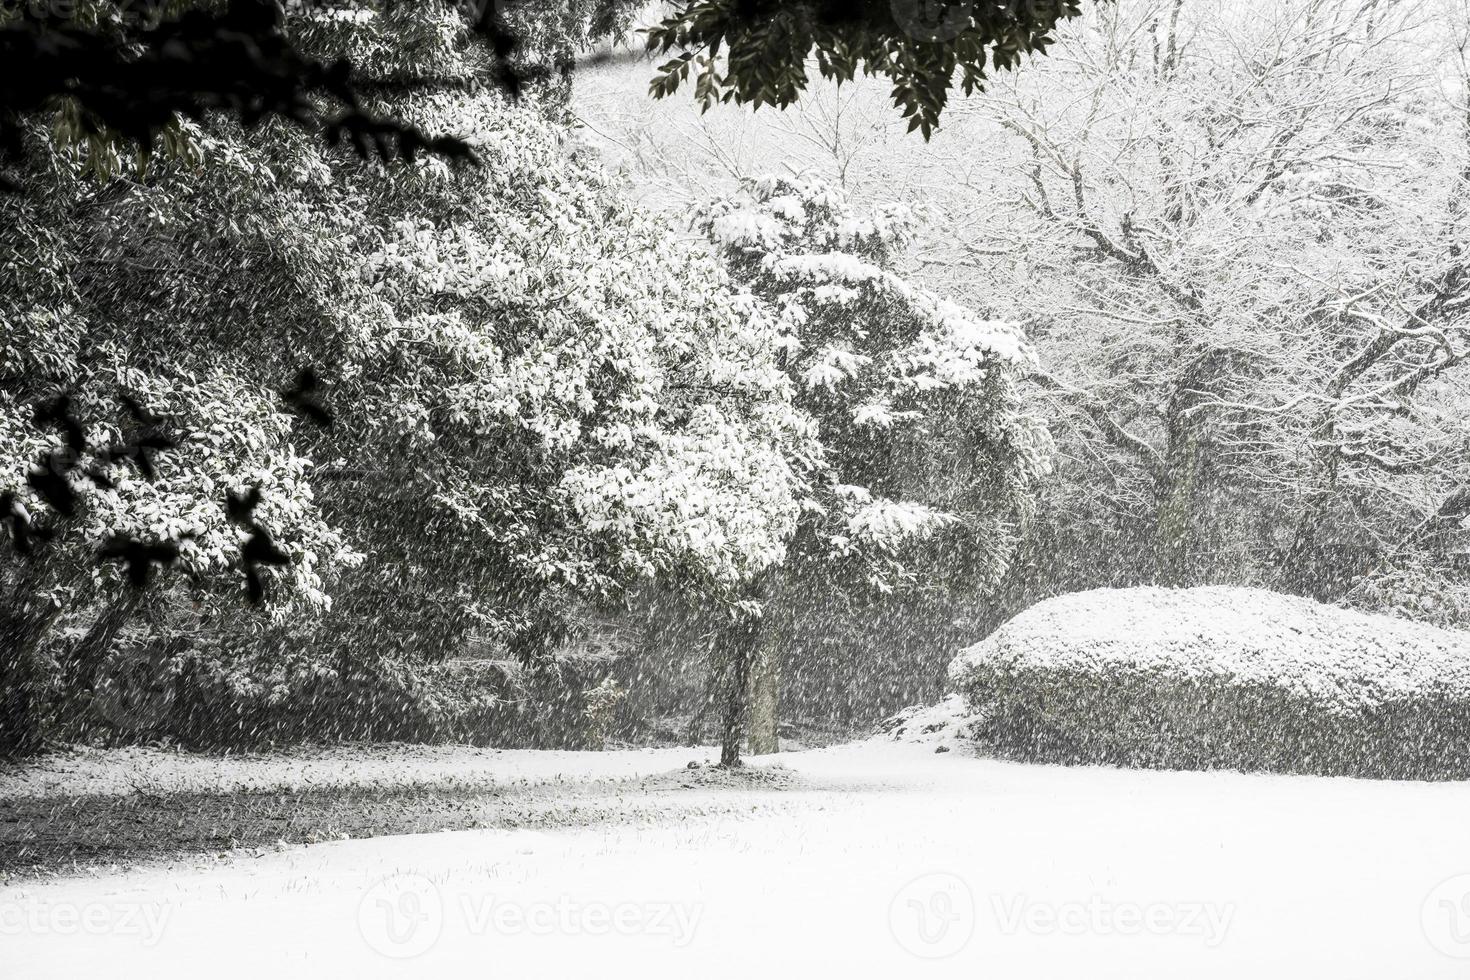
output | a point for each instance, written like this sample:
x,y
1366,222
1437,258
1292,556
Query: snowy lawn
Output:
x,y
877,859
92,807
117,772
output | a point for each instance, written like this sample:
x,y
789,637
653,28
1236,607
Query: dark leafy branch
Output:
x,y
755,52
129,77
132,80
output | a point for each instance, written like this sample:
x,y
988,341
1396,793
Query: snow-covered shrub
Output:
x,y
1223,677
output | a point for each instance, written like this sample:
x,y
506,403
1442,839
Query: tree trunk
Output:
x,y
765,668
1187,463
765,674
79,669
736,647
20,725
1174,537
20,680
1300,572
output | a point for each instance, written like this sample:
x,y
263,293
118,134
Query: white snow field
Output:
x,y
878,859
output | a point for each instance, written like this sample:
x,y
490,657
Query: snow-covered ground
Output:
x,y
880,859
138,769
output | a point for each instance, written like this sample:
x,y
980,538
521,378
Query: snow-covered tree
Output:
x,y
925,458
539,397
1239,232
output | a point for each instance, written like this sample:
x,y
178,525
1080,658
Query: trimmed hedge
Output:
x,y
1222,677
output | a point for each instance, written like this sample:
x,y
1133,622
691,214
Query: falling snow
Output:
x,y
471,516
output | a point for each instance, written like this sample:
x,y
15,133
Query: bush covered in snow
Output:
x,y
1222,677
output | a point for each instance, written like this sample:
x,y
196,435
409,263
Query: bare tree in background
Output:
x,y
1240,235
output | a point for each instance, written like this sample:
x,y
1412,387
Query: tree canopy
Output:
x,y
756,52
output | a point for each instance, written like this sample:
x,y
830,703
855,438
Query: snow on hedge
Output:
x,y
1343,659
1223,676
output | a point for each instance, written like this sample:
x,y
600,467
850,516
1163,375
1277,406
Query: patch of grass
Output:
x,y
41,836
